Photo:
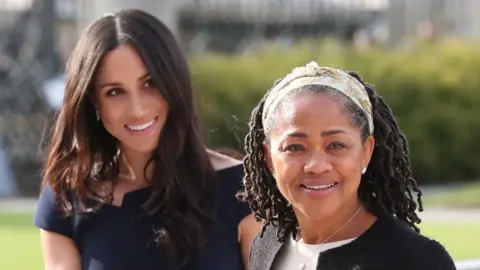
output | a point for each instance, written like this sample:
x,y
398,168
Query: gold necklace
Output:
x,y
304,264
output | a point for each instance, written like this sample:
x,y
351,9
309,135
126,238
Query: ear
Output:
x,y
268,158
368,147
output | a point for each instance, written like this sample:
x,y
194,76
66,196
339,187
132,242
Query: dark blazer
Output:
x,y
388,244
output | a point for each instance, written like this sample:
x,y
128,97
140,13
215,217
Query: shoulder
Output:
x,y
49,215
266,240
221,162
430,254
229,170
230,175
264,249
419,251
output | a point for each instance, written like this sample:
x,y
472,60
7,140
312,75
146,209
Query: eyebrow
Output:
x,y
332,132
143,77
116,84
327,133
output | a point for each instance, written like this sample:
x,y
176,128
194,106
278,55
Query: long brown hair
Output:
x,y
83,154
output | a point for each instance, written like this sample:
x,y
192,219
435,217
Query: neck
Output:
x,y
132,166
348,222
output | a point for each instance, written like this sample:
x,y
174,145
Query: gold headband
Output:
x,y
313,74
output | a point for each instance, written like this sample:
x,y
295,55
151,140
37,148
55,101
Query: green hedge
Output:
x,y
433,91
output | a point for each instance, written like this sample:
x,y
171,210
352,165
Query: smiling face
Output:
x,y
130,106
316,154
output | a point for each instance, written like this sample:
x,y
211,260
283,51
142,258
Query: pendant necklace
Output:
x,y
304,264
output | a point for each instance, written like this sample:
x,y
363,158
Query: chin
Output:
x,y
143,149
317,210
146,150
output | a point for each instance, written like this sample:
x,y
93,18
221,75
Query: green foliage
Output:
x,y
432,89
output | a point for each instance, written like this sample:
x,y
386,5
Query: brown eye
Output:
x,y
113,92
294,148
149,83
336,145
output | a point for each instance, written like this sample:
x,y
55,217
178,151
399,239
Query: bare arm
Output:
x,y
248,229
59,252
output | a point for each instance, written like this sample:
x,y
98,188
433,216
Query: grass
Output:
x,y
20,246
460,239
467,196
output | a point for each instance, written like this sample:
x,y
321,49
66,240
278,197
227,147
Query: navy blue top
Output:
x,y
115,238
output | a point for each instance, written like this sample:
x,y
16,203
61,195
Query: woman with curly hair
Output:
x,y
328,174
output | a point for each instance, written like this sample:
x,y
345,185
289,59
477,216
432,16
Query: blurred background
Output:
x,y
422,56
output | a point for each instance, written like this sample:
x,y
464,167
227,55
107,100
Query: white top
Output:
x,y
294,254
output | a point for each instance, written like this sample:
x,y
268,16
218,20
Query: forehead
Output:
x,y
315,112
121,63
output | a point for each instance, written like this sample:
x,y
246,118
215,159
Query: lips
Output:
x,y
141,127
320,187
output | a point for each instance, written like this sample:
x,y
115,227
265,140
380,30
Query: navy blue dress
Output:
x,y
115,238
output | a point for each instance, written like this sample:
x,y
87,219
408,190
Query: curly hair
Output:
x,y
386,187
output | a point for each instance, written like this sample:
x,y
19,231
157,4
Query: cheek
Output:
x,y
162,105
349,167
286,172
111,116
155,102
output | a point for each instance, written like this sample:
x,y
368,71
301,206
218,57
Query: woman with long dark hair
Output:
x,y
328,172
128,183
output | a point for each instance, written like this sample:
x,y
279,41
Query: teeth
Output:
x,y
320,186
141,127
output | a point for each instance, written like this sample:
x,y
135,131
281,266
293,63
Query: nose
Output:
x,y
317,162
138,105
